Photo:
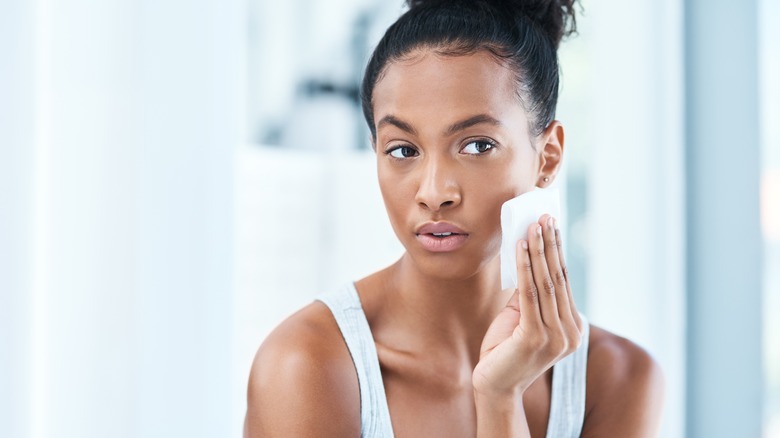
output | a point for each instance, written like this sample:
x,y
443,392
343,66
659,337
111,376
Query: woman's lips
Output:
x,y
442,244
441,236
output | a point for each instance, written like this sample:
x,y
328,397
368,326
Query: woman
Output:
x,y
460,99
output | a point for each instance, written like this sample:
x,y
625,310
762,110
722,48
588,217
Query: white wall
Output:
x,y
124,118
16,217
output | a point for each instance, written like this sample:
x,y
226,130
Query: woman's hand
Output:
x,y
539,325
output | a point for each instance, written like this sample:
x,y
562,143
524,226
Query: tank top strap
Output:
x,y
345,306
567,397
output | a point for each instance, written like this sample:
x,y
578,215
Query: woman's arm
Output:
x,y
501,416
303,382
539,326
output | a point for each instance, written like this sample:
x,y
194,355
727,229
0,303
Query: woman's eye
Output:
x,y
402,152
477,147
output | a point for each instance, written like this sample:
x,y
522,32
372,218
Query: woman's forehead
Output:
x,y
442,87
432,71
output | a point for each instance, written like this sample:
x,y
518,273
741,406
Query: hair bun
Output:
x,y
419,3
555,17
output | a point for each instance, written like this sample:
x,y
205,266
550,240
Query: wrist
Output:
x,y
498,394
508,399
500,415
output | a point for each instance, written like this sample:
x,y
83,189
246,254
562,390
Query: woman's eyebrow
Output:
x,y
472,121
455,127
395,121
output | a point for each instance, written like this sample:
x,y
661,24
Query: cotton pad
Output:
x,y
517,214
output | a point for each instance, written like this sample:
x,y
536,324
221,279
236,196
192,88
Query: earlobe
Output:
x,y
551,154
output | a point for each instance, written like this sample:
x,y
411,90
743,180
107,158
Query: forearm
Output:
x,y
501,417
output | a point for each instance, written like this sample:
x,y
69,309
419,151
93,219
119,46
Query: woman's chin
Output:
x,y
452,266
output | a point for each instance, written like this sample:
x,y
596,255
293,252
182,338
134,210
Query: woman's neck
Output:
x,y
415,310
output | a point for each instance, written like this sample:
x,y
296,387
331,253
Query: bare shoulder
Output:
x,y
303,381
625,388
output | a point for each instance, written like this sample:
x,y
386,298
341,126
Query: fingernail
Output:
x,y
539,230
550,223
524,244
555,224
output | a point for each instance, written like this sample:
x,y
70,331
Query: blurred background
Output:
x,y
178,177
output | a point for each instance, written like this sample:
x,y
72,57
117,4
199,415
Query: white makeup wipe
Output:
x,y
517,214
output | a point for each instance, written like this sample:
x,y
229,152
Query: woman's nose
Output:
x,y
438,188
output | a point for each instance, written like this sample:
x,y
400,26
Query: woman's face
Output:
x,y
452,146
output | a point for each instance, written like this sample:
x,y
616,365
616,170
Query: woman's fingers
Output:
x,y
551,252
531,333
528,293
545,298
573,308
547,301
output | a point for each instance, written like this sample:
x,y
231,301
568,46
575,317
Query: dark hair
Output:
x,y
523,34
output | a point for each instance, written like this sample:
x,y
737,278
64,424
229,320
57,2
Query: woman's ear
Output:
x,y
551,153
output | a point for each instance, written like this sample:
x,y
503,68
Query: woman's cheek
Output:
x,y
508,183
396,202
494,220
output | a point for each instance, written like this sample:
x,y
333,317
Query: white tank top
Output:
x,y
567,403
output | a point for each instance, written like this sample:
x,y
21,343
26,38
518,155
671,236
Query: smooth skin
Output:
x,y
459,356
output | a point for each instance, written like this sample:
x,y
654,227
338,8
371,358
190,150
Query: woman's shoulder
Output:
x,y
309,335
625,386
303,381
610,352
